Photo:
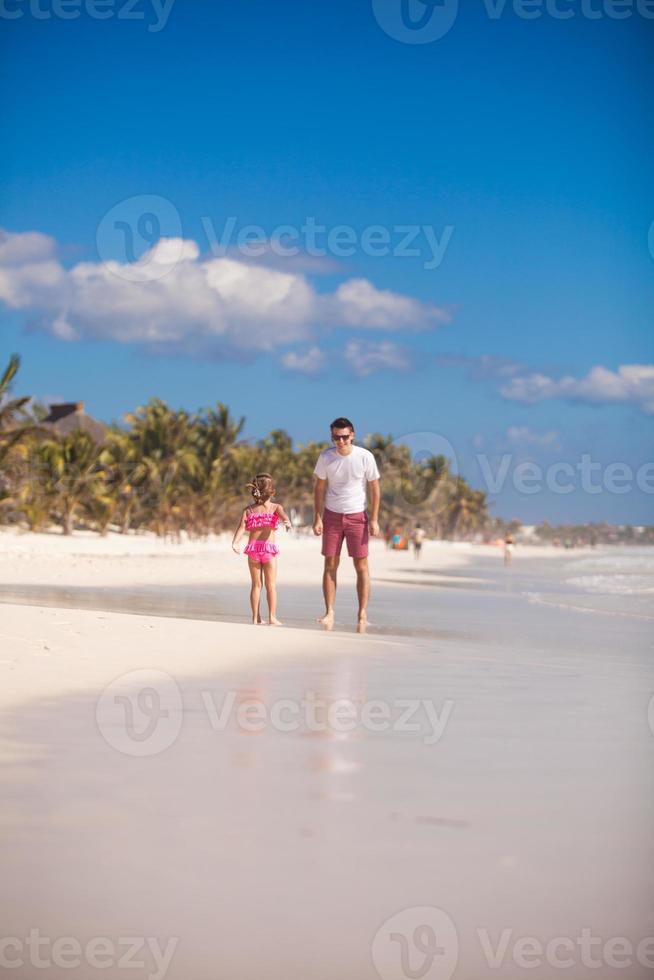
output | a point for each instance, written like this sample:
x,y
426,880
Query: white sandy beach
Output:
x,y
198,798
63,639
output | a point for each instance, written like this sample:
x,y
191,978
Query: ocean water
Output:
x,y
613,581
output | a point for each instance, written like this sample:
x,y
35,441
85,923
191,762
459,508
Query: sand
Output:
x,y
248,801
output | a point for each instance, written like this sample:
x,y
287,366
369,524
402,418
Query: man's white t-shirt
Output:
x,y
347,478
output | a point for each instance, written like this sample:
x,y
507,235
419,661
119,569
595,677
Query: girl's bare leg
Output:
x,y
270,577
255,590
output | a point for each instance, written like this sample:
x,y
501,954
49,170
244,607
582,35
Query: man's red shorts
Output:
x,y
352,527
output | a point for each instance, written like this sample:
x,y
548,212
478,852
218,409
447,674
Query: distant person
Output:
x,y
417,538
296,522
509,545
261,519
345,474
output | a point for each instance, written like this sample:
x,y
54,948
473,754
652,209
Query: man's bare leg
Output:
x,y
363,588
329,590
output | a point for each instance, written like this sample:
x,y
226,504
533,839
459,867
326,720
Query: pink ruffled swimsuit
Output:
x,y
261,551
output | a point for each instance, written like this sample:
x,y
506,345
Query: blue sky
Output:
x,y
523,146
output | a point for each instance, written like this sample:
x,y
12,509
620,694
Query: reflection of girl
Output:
x,y
260,520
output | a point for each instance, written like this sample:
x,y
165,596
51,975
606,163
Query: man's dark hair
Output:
x,y
341,424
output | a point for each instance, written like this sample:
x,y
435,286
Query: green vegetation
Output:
x,y
171,471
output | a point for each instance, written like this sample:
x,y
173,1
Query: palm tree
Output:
x,y
217,434
118,459
68,475
419,481
467,510
167,451
17,425
304,462
10,408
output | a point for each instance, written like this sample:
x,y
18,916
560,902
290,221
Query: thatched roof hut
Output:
x,y
68,416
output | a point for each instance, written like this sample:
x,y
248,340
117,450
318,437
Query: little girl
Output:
x,y
261,519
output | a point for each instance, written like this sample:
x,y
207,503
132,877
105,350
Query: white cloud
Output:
x,y
522,435
30,275
362,357
23,247
482,365
366,357
359,304
311,361
175,299
630,384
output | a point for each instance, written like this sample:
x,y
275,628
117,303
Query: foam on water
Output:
x,y
542,600
615,574
615,582
620,562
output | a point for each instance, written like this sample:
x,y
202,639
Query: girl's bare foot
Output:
x,y
273,621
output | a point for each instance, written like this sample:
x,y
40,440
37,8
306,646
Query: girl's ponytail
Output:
x,y
261,488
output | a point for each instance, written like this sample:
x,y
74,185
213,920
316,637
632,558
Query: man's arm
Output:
x,y
375,498
319,492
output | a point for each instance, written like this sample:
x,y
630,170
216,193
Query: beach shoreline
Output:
x,y
135,562
133,811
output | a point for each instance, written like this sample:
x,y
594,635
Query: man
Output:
x,y
418,536
344,474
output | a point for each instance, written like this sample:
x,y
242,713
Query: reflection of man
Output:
x,y
343,475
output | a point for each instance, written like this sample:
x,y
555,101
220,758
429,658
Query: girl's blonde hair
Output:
x,y
262,488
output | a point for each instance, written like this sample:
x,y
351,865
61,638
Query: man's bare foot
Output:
x,y
362,623
273,621
327,620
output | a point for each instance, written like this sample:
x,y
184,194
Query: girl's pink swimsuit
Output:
x,y
261,551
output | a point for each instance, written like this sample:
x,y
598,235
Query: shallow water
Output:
x,y
614,582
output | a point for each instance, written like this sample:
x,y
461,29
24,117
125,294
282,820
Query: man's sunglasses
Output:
x,y
341,438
